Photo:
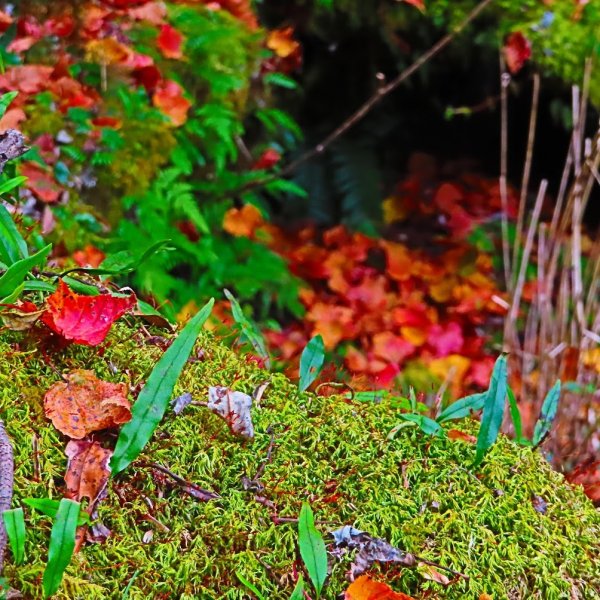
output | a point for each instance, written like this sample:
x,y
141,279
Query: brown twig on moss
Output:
x,y
7,468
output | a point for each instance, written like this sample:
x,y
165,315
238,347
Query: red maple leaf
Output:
x,y
84,319
169,99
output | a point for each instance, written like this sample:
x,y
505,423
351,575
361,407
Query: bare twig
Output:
x,y
375,99
504,81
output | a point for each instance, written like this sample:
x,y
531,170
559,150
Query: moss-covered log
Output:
x,y
416,491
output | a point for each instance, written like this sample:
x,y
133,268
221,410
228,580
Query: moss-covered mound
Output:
x,y
416,491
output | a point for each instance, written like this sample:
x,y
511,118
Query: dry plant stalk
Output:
x,y
556,335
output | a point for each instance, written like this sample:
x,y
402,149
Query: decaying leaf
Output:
x,y
87,470
20,316
179,403
456,434
370,550
429,572
83,403
234,407
84,319
87,475
365,588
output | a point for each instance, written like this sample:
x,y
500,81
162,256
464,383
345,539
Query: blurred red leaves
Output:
x,y
84,319
169,98
517,51
170,42
385,304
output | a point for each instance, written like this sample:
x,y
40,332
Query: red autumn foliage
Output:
x,y
170,42
517,51
84,319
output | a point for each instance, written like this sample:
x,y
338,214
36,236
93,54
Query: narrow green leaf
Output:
x,y
62,544
15,530
5,101
515,416
153,400
493,410
311,362
49,507
298,593
14,276
281,80
547,415
251,587
129,585
427,425
12,183
81,287
249,329
462,408
312,548
12,245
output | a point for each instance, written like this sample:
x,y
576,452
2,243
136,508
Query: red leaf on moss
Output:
x,y
170,42
517,50
169,99
83,403
365,588
84,319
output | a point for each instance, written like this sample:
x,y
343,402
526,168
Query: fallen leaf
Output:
x,y
83,403
370,550
179,403
588,476
539,504
88,471
84,319
20,316
428,572
456,434
420,4
234,407
365,588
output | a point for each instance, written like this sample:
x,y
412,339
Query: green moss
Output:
x,y
330,452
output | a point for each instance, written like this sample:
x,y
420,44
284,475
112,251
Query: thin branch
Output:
x,y
7,468
504,81
527,168
381,93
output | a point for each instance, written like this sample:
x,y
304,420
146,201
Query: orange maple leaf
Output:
x,y
365,588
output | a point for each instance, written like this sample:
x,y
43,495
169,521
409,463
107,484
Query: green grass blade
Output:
x,y
298,593
493,410
12,183
462,408
251,587
5,101
15,530
249,329
15,275
425,424
312,549
12,245
49,507
149,408
311,362
547,415
62,544
515,416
